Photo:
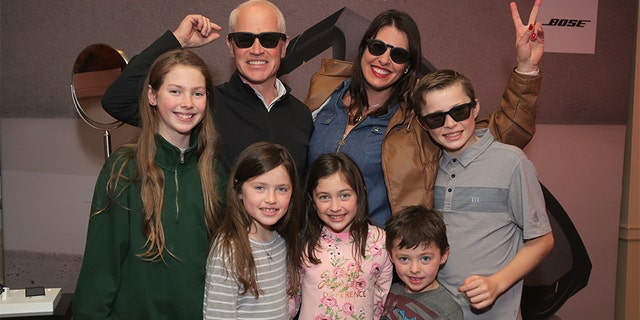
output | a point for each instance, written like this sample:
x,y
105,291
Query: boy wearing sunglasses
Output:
x,y
490,197
253,105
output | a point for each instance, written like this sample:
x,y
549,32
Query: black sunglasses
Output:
x,y
245,40
398,55
458,113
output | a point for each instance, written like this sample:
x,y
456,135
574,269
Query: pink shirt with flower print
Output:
x,y
338,288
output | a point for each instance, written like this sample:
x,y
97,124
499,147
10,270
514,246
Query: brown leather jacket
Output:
x,y
409,156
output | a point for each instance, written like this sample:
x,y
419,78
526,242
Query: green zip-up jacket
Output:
x,y
114,282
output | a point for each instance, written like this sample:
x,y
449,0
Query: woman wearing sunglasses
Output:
x,y
360,109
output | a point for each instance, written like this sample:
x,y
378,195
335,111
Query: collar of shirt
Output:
x,y
281,90
486,138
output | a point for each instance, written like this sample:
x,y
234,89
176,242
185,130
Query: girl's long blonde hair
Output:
x,y
143,152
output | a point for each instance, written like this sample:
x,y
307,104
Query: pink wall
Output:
x,y
582,167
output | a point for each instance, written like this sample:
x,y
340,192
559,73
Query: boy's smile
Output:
x,y
454,136
418,267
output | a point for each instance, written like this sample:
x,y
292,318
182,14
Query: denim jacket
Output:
x,y
363,144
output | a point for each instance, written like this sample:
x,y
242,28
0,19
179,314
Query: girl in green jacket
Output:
x,y
155,204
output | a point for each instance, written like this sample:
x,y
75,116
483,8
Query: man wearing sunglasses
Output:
x,y
253,105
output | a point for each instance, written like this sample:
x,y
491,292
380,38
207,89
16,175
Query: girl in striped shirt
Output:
x,y
251,263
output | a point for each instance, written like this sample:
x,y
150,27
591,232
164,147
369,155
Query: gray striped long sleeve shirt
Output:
x,y
223,298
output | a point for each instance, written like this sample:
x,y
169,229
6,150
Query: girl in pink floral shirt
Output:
x,y
346,272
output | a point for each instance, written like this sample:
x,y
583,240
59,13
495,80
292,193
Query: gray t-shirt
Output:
x,y
430,305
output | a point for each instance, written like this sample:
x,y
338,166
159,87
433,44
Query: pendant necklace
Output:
x,y
266,252
360,117
268,255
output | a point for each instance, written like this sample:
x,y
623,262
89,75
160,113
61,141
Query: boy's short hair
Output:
x,y
414,226
438,80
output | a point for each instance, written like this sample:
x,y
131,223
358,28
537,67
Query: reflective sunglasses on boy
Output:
x,y
398,55
437,119
245,40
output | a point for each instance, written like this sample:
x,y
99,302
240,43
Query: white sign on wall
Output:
x,y
569,25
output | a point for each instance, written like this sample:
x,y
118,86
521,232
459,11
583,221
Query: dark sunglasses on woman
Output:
x,y
378,47
245,40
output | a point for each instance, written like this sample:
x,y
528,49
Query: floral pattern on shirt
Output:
x,y
346,278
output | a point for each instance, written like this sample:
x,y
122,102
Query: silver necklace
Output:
x,y
268,254
265,251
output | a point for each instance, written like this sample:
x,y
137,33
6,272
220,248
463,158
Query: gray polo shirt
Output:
x,y
491,201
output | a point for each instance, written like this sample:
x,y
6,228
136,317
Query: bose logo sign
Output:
x,y
566,23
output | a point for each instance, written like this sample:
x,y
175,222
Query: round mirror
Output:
x,y
96,67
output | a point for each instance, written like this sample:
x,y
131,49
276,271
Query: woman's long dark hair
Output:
x,y
403,22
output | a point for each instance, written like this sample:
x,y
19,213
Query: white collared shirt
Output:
x,y
280,90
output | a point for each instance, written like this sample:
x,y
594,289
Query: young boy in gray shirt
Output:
x,y
417,243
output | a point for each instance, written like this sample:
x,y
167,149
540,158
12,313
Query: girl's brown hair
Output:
x,y
323,167
232,239
143,152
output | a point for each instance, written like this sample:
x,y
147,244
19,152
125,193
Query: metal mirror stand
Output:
x,y
96,67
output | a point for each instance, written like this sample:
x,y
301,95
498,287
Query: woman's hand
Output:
x,y
529,39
